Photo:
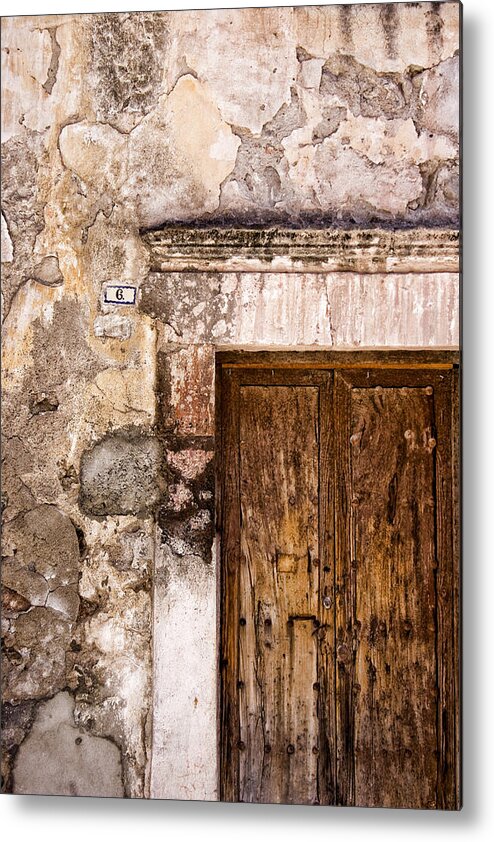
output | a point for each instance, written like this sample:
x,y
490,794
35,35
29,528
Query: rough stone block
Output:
x,y
65,601
120,475
189,462
34,653
47,272
42,553
13,603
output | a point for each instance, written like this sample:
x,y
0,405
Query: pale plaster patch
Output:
x,y
113,326
97,153
389,188
383,140
58,758
26,57
310,73
181,142
7,248
184,763
246,56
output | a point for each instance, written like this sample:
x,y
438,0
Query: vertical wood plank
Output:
x,y
447,601
302,727
397,684
230,531
279,591
394,691
456,801
344,596
326,634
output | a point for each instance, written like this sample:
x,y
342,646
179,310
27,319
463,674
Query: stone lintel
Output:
x,y
371,250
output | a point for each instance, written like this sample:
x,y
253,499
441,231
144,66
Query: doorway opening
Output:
x,y
337,513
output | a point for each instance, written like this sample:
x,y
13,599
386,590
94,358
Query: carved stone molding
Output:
x,y
372,250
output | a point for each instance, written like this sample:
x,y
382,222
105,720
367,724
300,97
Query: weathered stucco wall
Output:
x,y
114,123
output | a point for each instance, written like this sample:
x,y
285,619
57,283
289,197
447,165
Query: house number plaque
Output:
x,y
120,294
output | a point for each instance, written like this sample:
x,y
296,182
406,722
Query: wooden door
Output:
x,y
396,618
278,620
339,591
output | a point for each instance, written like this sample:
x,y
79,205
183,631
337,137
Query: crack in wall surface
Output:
x,y
54,61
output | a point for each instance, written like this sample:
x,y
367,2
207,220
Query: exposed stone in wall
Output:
x,y
17,721
121,475
51,637
57,758
186,519
34,654
127,56
42,555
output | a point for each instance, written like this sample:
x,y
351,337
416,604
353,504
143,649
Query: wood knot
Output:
x,y
343,652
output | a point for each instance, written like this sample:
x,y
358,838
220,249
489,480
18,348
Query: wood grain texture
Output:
x,y
333,360
279,587
396,605
392,458
283,672
229,525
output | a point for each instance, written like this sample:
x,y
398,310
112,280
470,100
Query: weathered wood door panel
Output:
x,y
339,628
278,677
279,586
